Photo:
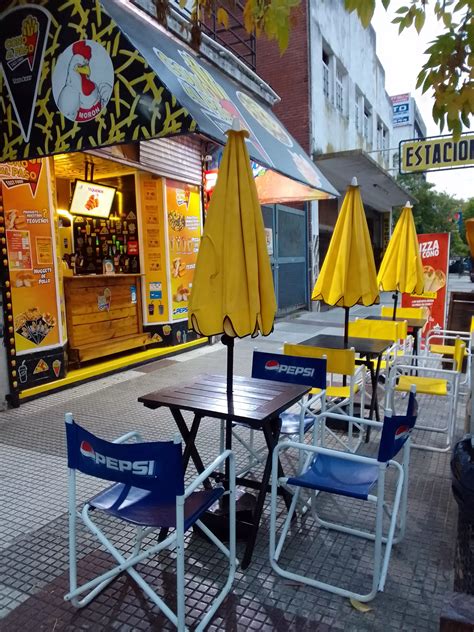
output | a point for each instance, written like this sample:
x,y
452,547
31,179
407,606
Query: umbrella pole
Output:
x,y
228,341
346,338
346,327
395,301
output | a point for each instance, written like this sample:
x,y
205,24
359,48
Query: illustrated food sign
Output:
x,y
155,288
434,251
92,200
70,80
83,74
30,242
183,209
436,153
401,113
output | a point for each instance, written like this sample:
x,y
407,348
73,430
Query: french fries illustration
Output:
x,y
29,31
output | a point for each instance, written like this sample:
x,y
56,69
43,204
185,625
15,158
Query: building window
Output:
x,y
357,111
339,91
379,134
367,123
326,74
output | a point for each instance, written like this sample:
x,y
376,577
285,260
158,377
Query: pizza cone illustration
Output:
x,y
429,274
439,281
56,367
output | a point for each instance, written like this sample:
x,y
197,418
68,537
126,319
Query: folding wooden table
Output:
x,y
253,402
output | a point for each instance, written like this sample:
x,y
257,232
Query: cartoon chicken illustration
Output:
x,y
81,99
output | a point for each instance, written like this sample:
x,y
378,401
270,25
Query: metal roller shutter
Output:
x,y
178,157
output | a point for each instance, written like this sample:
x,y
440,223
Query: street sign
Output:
x,y
401,111
436,153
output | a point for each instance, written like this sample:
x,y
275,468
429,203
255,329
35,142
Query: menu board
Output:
x,y
155,294
29,230
183,208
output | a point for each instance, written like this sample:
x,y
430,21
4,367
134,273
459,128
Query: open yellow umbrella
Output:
x,y
401,269
232,291
348,275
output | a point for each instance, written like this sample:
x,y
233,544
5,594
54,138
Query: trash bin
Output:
x,y
462,476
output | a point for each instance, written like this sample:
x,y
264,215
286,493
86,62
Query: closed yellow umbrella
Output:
x,y
348,275
232,289
401,269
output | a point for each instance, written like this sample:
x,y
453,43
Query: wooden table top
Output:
x,y
364,346
252,401
416,323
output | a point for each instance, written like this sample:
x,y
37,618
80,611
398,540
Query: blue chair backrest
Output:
x,y
396,431
287,368
156,466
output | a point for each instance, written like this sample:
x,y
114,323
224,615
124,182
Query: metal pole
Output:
x,y
395,301
346,327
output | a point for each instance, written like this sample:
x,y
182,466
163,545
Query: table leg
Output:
x,y
374,402
271,438
189,438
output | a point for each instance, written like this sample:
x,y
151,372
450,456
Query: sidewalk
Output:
x,y
33,523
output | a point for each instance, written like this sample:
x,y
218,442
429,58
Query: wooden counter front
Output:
x,y
103,315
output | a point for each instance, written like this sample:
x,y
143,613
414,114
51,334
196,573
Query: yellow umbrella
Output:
x,y
348,275
401,269
232,289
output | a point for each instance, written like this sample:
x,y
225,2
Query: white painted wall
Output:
x,y
354,48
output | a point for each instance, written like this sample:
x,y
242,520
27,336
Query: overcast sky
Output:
x,y
402,57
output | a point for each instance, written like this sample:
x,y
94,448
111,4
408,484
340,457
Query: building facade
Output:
x,y
407,124
334,101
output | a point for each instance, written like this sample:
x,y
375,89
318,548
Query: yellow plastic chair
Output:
x,y
395,330
433,381
340,397
404,312
447,347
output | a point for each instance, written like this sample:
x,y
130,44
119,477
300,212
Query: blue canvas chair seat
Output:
x,y
142,507
331,474
148,492
357,477
291,423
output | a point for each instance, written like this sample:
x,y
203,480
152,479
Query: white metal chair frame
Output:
x,y
175,539
338,405
258,455
395,532
451,334
452,378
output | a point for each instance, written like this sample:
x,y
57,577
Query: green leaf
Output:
x,y
402,10
385,4
419,20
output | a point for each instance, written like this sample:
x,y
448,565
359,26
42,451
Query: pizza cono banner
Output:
x,y
434,251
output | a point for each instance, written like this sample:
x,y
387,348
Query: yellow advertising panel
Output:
x,y
438,152
29,230
155,285
183,206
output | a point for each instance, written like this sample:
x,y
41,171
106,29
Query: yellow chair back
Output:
x,y
375,329
472,325
459,348
340,361
404,312
402,329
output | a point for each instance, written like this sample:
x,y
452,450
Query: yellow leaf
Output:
x,y
358,605
182,3
223,17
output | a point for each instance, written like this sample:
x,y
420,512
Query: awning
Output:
x,y
87,74
377,187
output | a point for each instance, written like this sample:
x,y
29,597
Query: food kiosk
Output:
x,y
82,279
